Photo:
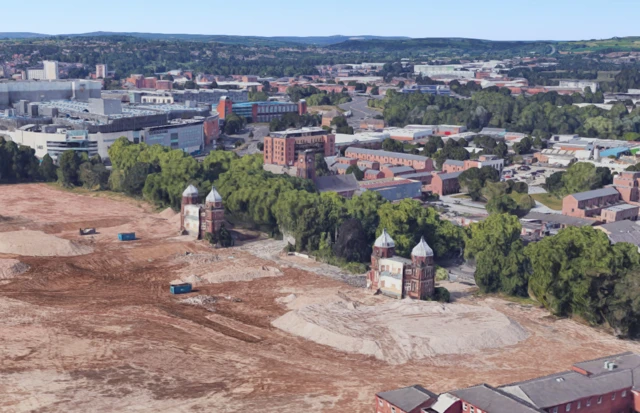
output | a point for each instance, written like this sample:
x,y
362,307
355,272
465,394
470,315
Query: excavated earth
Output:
x,y
91,326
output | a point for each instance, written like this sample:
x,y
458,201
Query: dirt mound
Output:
x,y
39,244
399,331
167,214
11,268
172,217
213,269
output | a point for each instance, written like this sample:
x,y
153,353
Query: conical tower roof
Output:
x,y
190,191
214,196
385,240
422,249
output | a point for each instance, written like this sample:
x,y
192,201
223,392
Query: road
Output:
x,y
360,111
260,130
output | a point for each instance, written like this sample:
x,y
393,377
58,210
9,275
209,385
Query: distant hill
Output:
x,y
21,35
248,40
447,45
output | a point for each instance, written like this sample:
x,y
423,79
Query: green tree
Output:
x,y
69,163
352,242
135,178
322,169
392,145
48,170
365,209
577,272
93,175
356,171
554,183
408,221
583,176
502,204
499,254
233,124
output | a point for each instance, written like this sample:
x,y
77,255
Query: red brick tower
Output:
x,y
306,165
423,279
190,196
213,213
302,107
384,247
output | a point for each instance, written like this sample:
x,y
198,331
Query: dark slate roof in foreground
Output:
x,y
408,398
493,400
336,183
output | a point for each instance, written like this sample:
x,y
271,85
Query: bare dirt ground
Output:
x,y
100,332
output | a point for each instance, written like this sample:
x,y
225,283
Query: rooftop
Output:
x,y
557,218
597,367
405,156
621,207
299,132
493,400
452,175
336,183
596,193
400,169
385,183
385,240
408,398
453,162
568,386
622,231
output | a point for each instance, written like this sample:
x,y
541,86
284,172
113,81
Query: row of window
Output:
x,y
588,402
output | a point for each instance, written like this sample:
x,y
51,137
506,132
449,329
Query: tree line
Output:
x,y
541,115
574,273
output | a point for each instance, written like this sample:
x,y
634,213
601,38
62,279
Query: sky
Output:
x,y
480,19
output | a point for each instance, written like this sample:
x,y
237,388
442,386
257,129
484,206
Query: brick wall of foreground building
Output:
x,y
445,184
591,203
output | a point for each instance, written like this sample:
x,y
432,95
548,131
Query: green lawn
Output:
x,y
548,200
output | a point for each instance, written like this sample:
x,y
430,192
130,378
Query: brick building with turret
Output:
x,y
400,277
201,219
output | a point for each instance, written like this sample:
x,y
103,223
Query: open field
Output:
x,y
100,332
549,200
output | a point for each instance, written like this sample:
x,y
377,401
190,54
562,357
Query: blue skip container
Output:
x,y
127,236
181,288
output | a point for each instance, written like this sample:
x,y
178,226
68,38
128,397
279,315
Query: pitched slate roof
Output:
x,y
568,386
492,400
453,162
336,183
408,398
596,193
623,231
452,175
